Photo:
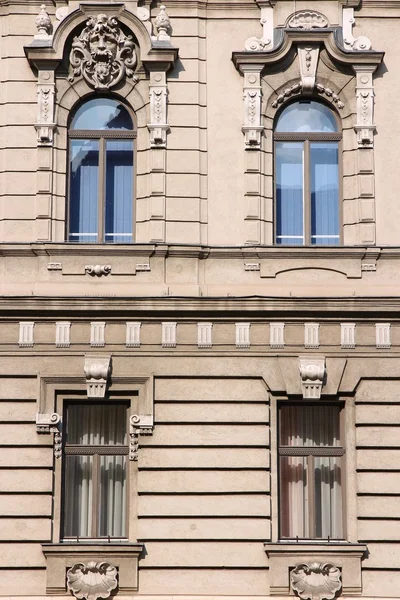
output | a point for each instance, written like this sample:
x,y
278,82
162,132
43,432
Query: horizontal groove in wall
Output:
x,y
223,493
166,540
211,568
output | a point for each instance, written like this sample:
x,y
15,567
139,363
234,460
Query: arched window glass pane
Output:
x,y
306,116
102,114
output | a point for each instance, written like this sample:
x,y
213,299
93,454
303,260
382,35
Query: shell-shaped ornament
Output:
x,y
316,581
92,580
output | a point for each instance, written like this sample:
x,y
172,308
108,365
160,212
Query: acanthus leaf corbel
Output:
x,y
252,99
138,425
158,126
308,58
51,423
97,371
312,373
365,127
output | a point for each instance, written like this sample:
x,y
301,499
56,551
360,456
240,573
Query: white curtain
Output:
x,y
310,426
99,425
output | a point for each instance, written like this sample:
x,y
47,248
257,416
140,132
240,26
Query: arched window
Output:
x,y
101,181
307,207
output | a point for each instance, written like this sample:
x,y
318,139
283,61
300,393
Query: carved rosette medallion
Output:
x,y
102,54
92,580
316,581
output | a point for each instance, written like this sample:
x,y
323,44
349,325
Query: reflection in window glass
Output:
x,y
289,193
306,116
102,114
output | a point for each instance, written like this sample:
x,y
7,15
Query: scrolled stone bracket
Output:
x,y
360,43
312,373
97,371
45,124
158,93
365,127
51,423
138,425
256,44
316,581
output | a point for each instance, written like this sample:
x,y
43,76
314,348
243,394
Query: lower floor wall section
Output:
x,y
204,488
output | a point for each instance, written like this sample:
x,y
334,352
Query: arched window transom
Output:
x,y
101,183
307,206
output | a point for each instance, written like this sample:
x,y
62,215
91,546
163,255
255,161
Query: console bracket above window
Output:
x,y
285,556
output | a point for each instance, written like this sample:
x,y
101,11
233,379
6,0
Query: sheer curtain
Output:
x,y
84,184
324,164
97,479
119,191
310,486
289,193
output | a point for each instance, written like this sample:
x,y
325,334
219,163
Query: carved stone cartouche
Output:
x,y
92,580
316,581
102,54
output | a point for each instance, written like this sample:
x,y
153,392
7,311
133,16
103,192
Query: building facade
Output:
x,y
199,322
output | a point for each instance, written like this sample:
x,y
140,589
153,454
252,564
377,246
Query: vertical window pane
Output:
x,y
96,424
119,191
328,497
84,176
289,192
324,193
309,426
294,500
78,500
112,496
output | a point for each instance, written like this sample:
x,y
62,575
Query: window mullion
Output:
x,y
307,194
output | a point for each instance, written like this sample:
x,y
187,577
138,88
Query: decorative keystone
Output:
x,y
312,372
103,55
316,581
139,425
92,580
97,370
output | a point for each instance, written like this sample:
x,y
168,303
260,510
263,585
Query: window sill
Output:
x,y
284,556
61,557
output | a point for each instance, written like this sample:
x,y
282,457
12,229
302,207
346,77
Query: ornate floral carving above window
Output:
x,y
307,19
92,580
316,581
102,54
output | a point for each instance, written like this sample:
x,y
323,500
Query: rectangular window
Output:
x,y
310,466
95,471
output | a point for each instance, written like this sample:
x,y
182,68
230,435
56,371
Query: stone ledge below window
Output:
x,y
61,557
284,556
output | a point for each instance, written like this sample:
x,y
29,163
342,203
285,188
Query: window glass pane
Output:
x,y
324,192
96,424
119,191
307,117
78,498
289,192
102,114
309,425
84,176
328,497
294,500
112,496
